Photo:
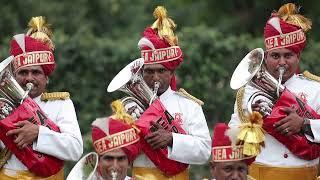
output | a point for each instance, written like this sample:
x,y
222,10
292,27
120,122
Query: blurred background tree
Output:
x,y
95,39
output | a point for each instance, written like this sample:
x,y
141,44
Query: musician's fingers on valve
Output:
x,y
255,107
262,106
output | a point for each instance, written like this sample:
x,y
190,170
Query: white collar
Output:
x,y
290,80
166,94
37,99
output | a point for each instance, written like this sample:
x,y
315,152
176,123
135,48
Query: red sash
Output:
x,y
298,144
157,113
38,163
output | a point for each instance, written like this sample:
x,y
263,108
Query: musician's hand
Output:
x,y
160,138
25,133
262,106
291,124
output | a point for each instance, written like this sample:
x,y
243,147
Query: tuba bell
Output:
x,y
252,71
11,93
86,168
130,81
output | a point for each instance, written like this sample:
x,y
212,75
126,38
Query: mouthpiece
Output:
x,y
114,174
282,70
156,87
29,86
155,91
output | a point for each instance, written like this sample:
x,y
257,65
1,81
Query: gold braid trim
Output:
x,y
55,96
239,98
184,93
251,134
311,76
5,155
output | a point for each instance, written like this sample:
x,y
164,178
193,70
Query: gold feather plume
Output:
x,y
119,113
39,29
164,25
290,14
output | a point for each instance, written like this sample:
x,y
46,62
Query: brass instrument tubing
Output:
x,y
281,72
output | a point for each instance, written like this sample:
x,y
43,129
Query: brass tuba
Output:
x,y
86,168
251,70
11,93
130,81
12,97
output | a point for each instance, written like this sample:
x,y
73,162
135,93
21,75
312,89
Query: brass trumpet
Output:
x,y
252,71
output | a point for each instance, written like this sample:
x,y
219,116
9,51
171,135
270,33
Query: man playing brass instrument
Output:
x,y
34,63
116,141
162,55
291,150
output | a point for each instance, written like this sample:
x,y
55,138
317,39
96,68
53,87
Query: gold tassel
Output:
x,y
164,25
39,29
119,113
251,135
290,14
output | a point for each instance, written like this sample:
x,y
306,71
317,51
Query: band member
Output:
x,y
162,56
116,141
292,127
228,161
33,63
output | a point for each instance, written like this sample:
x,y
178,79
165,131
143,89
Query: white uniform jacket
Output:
x,y
273,154
191,148
66,144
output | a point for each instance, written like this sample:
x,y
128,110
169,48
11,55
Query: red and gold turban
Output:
x,y
116,131
35,47
160,45
222,148
286,29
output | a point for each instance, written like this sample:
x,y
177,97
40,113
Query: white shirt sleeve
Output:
x,y
315,126
234,121
66,144
194,147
